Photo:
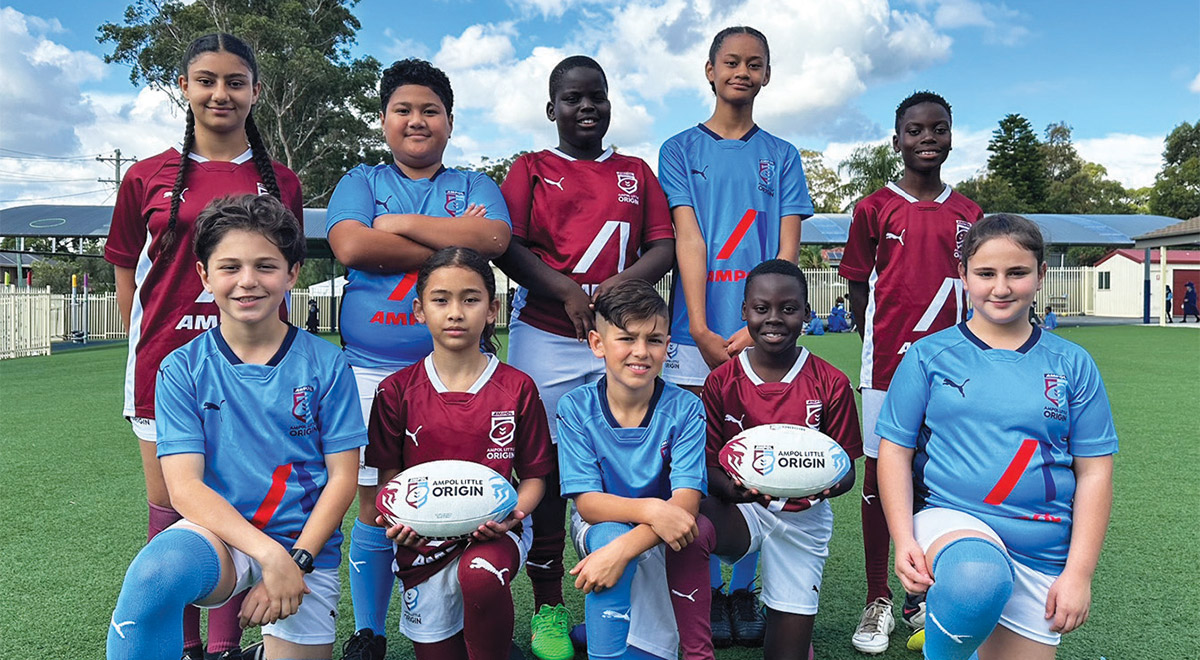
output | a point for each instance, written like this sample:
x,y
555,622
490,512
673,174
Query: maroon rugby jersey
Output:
x,y
170,306
586,219
813,393
907,251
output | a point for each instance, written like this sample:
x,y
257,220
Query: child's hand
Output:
x,y
277,596
712,348
1069,602
676,527
910,566
400,534
492,530
600,570
578,306
735,492
738,342
475,211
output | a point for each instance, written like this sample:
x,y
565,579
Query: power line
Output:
x,y
26,154
40,199
115,159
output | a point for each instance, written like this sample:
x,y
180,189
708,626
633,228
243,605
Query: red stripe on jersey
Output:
x,y
406,284
738,234
274,496
1012,474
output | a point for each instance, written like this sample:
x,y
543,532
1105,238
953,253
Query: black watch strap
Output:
x,y
303,559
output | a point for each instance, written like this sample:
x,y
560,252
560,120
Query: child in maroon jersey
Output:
x,y
162,302
462,403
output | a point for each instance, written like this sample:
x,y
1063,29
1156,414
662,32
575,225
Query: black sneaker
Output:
x,y
749,625
234,653
254,652
365,645
193,653
719,619
914,611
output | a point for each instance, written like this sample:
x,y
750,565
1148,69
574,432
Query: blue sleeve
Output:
x,y
903,412
688,467
578,465
793,187
339,416
1092,431
176,411
673,173
485,191
352,199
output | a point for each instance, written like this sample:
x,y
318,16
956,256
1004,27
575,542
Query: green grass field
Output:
x,y
73,510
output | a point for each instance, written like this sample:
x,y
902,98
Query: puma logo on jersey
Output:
x,y
737,420
118,626
357,565
545,567
262,190
613,614
898,237
556,184
480,562
691,596
958,639
947,381
814,588
701,173
867,498
412,435
182,199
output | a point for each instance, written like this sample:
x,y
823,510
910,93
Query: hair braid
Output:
x,y
166,244
262,160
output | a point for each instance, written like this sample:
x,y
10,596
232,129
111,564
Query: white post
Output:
x,y
1162,285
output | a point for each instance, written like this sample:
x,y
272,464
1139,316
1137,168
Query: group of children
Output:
x,y
612,398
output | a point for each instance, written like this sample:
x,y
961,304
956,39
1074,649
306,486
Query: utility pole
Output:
x,y
116,160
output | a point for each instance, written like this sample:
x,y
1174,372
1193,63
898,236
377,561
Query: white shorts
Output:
x,y
367,379
433,610
1025,613
872,405
556,364
652,617
794,547
144,428
314,624
684,366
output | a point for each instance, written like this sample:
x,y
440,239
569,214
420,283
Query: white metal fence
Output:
x,y
25,327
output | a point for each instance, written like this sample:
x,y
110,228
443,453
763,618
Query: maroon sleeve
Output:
x,y
127,233
518,194
858,260
712,396
656,218
536,457
385,429
840,417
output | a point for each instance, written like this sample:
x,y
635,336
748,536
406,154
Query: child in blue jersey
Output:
x,y
383,223
1013,438
631,455
737,196
258,436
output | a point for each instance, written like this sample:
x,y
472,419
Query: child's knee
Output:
x,y
488,568
169,559
973,569
601,534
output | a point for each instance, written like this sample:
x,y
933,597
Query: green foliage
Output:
x,y
810,257
496,169
1085,255
317,270
1062,161
56,273
869,168
1176,191
1017,159
993,194
318,108
824,186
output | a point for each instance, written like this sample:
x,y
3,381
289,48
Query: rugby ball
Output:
x,y
446,499
785,460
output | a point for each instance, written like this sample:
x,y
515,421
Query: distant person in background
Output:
x,y
313,322
1189,302
1170,305
1050,320
838,321
816,326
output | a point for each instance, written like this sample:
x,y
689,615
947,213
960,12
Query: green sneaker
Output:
x,y
551,640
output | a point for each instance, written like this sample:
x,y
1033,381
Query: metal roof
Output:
x,y
63,221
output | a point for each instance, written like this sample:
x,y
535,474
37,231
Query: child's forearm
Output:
x,y
789,238
657,258
521,264
487,236
333,503
858,304
372,250
529,494
597,507
1090,514
691,253
895,488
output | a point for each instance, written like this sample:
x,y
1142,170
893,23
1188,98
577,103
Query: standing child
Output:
x,y
776,381
258,437
461,402
162,302
584,218
1189,302
383,223
901,261
737,196
631,454
1013,438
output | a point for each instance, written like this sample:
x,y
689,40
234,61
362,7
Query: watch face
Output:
x,y
303,559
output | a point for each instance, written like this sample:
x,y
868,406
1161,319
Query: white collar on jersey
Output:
x,y
744,359
599,159
243,158
441,388
900,191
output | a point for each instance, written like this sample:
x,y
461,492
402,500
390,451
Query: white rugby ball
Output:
x,y
446,499
785,460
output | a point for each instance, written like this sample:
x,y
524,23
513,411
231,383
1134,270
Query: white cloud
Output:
x,y
478,45
967,159
1000,24
1195,86
399,48
1131,159
548,9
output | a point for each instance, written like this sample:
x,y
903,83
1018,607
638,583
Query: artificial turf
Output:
x,y
73,510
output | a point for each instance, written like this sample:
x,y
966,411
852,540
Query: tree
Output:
x,y
497,169
870,168
824,186
810,257
993,194
1062,161
318,108
1017,158
56,273
1176,191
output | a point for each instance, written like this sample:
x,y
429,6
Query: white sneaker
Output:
x,y
875,627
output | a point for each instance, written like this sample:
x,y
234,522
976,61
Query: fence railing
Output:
x,y
25,327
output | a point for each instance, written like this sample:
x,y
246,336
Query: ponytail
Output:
x,y
166,244
262,160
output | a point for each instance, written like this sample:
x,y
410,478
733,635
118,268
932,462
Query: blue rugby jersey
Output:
x,y
996,433
739,189
264,429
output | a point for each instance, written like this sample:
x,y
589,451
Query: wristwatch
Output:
x,y
303,559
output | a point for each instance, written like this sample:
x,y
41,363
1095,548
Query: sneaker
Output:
x,y
913,612
719,619
749,625
365,645
551,633
876,624
917,641
234,653
193,653
254,652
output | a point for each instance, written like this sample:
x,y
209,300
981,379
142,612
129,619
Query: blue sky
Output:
x,y
1121,75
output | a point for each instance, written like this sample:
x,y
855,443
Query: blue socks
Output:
x,y
371,578
607,612
973,580
176,568
744,572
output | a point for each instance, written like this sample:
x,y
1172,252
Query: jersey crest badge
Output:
x,y
961,227
1056,389
300,402
417,493
812,414
766,176
628,184
456,202
504,426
